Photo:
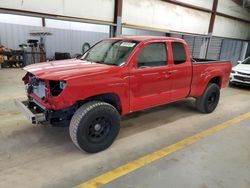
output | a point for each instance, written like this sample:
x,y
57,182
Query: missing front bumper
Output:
x,y
33,117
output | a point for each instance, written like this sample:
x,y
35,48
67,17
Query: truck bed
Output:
x,y
199,60
204,69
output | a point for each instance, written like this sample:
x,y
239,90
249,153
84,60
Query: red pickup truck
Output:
x,y
115,77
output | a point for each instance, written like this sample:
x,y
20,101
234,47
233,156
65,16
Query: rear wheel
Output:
x,y
209,100
94,126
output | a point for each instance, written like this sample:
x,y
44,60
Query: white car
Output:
x,y
241,73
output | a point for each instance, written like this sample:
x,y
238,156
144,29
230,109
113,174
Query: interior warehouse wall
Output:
x,y
130,31
69,8
219,48
165,16
226,27
232,50
157,14
71,41
70,36
195,44
66,36
162,15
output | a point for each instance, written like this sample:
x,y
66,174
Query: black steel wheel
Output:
x,y
99,129
94,126
209,100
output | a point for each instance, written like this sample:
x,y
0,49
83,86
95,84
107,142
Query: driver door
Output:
x,y
150,80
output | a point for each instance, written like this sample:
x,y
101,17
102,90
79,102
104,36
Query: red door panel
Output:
x,y
150,85
181,72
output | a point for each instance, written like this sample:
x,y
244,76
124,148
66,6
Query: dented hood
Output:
x,y
67,69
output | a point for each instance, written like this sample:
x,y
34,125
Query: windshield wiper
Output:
x,y
111,64
101,62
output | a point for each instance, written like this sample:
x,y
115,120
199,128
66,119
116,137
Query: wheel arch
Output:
x,y
110,98
200,88
216,80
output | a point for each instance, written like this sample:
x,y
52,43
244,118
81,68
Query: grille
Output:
x,y
242,73
245,79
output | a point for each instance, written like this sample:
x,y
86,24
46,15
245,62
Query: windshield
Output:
x,y
110,52
246,61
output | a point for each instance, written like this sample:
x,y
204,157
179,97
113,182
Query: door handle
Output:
x,y
150,74
170,72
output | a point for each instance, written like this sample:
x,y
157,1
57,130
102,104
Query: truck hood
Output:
x,y
245,68
67,69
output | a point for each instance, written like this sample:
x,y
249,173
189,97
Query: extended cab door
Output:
x,y
149,79
181,72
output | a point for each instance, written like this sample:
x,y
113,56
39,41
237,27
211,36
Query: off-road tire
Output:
x,y
83,125
209,100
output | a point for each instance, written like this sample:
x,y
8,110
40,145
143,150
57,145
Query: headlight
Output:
x,y
56,87
233,71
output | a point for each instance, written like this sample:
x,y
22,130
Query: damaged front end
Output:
x,y
31,114
38,108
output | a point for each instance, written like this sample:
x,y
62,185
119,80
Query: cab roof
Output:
x,y
147,38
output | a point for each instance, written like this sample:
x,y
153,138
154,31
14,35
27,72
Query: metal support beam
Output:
x,y
204,47
43,22
243,51
118,18
213,15
111,31
211,25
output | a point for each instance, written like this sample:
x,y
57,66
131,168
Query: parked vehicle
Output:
x,y
240,74
115,77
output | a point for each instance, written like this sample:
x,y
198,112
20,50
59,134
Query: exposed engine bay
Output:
x,y
36,86
44,90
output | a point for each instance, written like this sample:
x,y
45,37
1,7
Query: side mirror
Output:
x,y
239,62
85,47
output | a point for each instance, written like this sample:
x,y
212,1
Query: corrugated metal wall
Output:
x,y
194,43
231,49
197,46
219,48
214,48
11,35
62,40
65,40
71,40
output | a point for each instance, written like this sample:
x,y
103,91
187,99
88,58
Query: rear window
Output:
x,y
179,53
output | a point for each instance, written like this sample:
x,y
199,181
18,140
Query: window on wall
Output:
x,y
21,20
61,24
152,55
179,53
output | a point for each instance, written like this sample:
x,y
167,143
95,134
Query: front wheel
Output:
x,y
94,126
209,100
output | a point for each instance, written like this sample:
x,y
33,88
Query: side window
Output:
x,y
179,53
152,55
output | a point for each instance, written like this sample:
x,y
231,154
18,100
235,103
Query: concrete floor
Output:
x,y
221,160
44,156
